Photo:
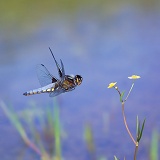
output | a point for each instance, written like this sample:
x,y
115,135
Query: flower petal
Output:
x,y
134,77
111,85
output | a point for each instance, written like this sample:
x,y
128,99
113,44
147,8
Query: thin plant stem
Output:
x,y
135,152
19,128
126,125
32,146
129,92
117,90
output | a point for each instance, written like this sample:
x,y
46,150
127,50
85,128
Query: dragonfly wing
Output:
x,y
44,75
56,92
61,71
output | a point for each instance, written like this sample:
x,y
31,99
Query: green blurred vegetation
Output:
x,y
26,14
45,137
154,146
88,136
43,126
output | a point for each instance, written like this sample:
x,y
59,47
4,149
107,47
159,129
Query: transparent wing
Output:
x,y
44,75
59,91
56,92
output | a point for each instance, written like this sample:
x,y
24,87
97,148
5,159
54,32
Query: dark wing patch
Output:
x,y
54,79
60,70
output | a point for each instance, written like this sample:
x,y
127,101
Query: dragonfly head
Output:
x,y
78,79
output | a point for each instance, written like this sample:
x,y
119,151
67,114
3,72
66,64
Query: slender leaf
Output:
x,y
121,97
137,126
50,120
57,132
89,138
141,132
154,146
115,158
17,124
14,120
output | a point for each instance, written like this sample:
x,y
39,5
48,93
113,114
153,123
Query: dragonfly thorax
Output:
x,y
71,81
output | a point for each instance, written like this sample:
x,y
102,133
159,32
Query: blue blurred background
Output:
x,y
104,41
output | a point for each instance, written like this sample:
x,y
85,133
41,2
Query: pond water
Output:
x,y
102,50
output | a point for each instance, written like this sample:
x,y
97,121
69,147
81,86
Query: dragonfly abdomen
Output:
x,y
46,89
32,92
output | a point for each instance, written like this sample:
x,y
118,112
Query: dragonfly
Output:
x,y
52,85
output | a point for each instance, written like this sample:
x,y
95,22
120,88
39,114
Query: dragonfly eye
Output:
x,y
78,79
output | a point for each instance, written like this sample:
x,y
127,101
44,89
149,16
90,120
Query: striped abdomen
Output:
x,y
46,89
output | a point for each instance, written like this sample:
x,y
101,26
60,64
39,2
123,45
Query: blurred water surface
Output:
x,y
103,44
